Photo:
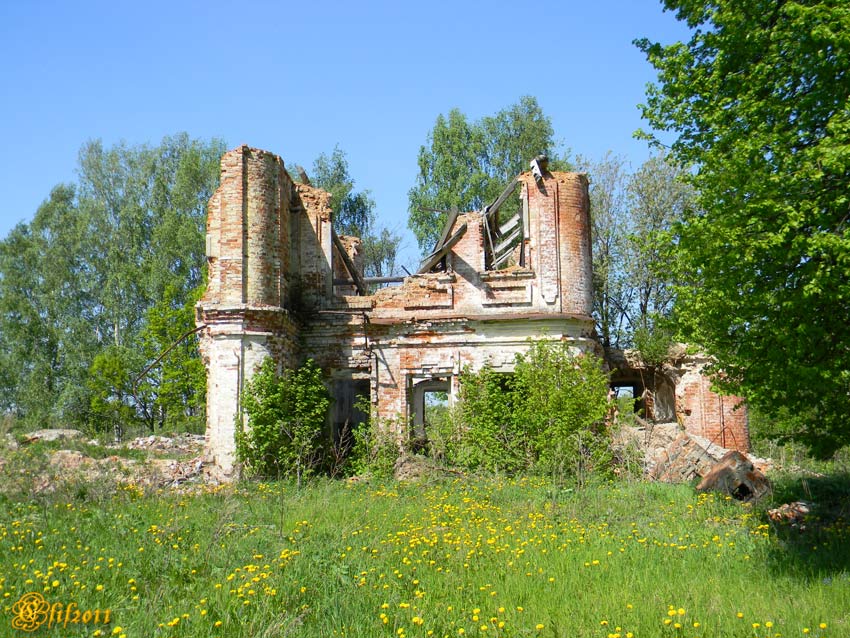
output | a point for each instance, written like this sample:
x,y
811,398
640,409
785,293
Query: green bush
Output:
x,y
375,448
486,433
653,342
548,417
286,416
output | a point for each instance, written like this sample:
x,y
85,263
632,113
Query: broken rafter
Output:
x,y
349,265
447,228
505,249
488,246
303,175
433,259
493,208
492,230
510,224
498,251
370,280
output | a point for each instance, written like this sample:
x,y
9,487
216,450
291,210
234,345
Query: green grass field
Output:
x,y
462,558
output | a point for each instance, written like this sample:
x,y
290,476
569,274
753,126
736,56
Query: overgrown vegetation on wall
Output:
x,y
547,417
550,416
286,415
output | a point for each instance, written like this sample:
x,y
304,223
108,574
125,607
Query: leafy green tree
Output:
x,y
286,415
564,400
465,165
659,197
46,345
486,435
380,253
631,216
146,211
610,225
177,381
759,101
354,214
113,404
450,176
77,283
512,138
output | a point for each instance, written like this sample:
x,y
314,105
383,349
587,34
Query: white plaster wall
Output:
x,y
233,358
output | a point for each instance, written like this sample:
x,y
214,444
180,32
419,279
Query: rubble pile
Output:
x,y
736,475
672,455
170,462
53,434
792,513
180,444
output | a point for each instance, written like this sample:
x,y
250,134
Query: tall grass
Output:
x,y
473,558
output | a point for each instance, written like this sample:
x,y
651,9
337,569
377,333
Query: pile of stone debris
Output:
x,y
170,461
673,455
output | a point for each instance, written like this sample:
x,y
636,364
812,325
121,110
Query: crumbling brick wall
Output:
x,y
682,391
722,419
278,288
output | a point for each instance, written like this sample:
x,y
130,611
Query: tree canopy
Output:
x,y
759,102
354,214
631,216
101,281
465,165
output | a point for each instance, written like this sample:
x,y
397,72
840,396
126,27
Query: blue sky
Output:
x,y
297,78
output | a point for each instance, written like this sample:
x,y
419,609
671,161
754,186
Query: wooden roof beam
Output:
x,y
433,259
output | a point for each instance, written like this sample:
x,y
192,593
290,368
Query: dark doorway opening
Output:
x,y
350,397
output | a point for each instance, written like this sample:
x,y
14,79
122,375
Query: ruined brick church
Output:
x,y
282,284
